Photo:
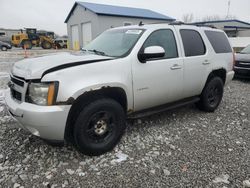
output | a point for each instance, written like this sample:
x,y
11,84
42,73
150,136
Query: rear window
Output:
x,y
192,42
219,41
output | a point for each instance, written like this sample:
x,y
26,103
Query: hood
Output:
x,y
34,68
242,57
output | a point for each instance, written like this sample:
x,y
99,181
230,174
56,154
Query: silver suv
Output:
x,y
126,72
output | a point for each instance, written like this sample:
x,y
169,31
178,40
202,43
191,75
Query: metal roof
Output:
x,y
221,21
111,10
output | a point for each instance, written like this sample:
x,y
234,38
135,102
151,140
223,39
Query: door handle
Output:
x,y
206,62
175,67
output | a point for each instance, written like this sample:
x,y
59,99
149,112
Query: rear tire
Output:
x,y
211,95
99,126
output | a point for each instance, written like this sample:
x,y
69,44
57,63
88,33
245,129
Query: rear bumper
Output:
x,y
47,122
242,72
229,77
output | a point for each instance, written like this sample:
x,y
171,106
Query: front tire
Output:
x,y
46,45
99,127
4,48
211,95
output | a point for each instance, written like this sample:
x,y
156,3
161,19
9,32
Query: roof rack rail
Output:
x,y
141,23
202,25
211,26
177,23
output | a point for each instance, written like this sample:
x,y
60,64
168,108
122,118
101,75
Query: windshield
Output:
x,y
246,50
114,43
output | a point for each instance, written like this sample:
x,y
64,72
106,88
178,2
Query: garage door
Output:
x,y
86,33
75,37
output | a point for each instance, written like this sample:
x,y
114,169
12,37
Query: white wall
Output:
x,y
107,22
245,33
239,42
79,17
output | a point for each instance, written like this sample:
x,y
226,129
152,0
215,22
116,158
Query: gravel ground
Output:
x,y
180,148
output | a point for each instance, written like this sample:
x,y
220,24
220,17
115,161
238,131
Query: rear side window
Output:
x,y
219,41
192,42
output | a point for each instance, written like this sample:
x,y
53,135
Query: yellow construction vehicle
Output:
x,y
31,38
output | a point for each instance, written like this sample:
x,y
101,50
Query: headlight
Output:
x,y
41,93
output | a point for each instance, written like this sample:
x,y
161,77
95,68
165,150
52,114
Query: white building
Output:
x,y
233,28
87,20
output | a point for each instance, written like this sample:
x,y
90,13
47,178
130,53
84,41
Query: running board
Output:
x,y
162,108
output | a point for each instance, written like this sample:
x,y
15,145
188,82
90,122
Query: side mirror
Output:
x,y
152,52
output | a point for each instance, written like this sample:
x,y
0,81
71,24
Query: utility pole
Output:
x,y
228,10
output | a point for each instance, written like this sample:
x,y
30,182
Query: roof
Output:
x,y
221,21
110,10
235,27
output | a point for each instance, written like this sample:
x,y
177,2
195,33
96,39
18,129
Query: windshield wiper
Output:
x,y
98,52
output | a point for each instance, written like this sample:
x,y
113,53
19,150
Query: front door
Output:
x,y
158,81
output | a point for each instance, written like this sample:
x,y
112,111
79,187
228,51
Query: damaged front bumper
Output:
x,y
47,122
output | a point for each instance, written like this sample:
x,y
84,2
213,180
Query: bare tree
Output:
x,y
231,17
211,18
188,18
217,17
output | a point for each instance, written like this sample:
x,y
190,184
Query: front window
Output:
x,y
164,38
115,43
246,50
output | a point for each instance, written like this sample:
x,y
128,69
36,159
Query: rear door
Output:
x,y
196,60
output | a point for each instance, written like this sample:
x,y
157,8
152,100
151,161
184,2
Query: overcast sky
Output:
x,y
50,14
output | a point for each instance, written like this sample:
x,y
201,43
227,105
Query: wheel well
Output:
x,y
115,93
219,73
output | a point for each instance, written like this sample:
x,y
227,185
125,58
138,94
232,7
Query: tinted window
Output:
x,y
219,41
193,43
165,39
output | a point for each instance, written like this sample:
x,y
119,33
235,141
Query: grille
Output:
x,y
242,64
17,82
16,95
